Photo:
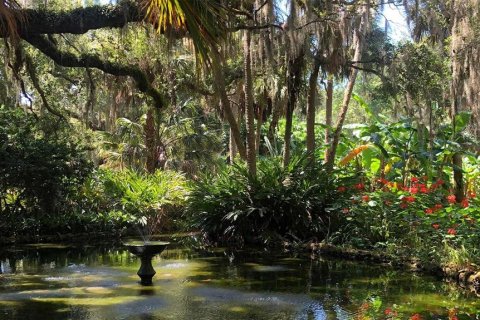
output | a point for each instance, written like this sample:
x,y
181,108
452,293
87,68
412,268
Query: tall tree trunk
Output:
x,y
219,82
465,77
262,106
232,145
150,141
277,108
295,66
359,37
458,185
328,109
249,113
312,94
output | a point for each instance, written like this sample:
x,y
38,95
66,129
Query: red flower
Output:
x,y
429,211
472,194
390,312
438,206
440,182
403,205
425,178
365,198
413,190
341,189
409,199
414,179
464,203
436,226
382,181
451,198
416,316
424,189
452,231
359,186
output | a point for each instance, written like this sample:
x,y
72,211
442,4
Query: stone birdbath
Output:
x,y
146,251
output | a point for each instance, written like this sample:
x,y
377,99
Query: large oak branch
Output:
x,y
77,21
67,59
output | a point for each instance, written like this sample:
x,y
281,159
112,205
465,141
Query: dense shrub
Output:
x,y
41,169
292,202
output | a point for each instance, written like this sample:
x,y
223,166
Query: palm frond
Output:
x,y
204,20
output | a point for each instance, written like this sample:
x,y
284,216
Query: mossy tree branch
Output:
x,y
67,59
77,21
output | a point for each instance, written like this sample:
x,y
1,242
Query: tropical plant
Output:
x,y
149,202
290,202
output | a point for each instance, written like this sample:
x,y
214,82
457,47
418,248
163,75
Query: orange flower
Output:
x,y
365,198
436,226
471,194
464,203
451,198
416,316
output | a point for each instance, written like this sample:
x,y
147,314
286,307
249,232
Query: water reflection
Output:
x,y
64,282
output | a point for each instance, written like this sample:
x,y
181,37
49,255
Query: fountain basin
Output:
x,y
146,251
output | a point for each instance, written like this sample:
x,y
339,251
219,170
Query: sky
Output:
x,y
398,28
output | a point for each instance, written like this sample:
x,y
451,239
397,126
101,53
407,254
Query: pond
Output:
x,y
100,282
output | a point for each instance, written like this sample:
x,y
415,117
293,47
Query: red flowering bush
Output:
x,y
418,217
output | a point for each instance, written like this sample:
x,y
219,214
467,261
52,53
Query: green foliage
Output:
x,y
41,169
291,202
126,198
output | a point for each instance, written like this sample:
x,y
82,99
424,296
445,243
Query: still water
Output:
x,y
99,282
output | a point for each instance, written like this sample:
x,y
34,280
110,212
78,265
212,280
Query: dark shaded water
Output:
x,y
62,282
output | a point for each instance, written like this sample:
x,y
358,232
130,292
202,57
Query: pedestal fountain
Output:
x,y
146,250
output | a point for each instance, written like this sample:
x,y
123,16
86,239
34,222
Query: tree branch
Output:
x,y
67,59
76,21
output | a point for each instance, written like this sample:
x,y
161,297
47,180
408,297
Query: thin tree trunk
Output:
x,y
328,109
295,67
150,141
458,185
219,82
261,107
232,145
249,113
358,41
312,94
